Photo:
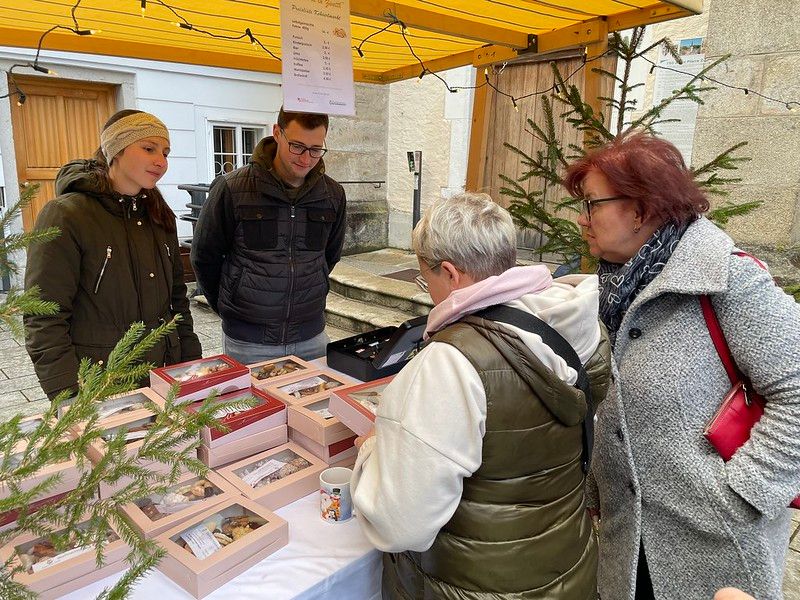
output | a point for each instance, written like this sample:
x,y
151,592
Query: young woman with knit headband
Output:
x,y
116,261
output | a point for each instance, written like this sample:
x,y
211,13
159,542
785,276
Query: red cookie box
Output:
x,y
68,470
97,449
125,403
268,414
244,447
269,372
352,405
309,385
198,378
201,576
67,571
339,454
150,524
314,420
252,475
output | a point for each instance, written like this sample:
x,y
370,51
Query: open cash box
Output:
x,y
379,353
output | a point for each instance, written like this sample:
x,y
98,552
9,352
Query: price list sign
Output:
x,y
317,59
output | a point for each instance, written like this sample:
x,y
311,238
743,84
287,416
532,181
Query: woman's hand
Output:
x,y
730,593
363,438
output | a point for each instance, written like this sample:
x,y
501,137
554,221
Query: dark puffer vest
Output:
x,y
262,252
521,529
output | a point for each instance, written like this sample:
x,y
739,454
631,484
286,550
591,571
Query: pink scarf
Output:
x,y
497,289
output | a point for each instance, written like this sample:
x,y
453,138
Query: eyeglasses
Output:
x,y
587,204
300,149
420,280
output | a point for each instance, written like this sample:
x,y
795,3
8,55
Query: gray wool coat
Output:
x,y
704,524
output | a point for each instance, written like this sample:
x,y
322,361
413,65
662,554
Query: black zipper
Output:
x,y
103,269
291,274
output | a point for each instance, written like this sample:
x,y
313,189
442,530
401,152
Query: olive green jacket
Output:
x,y
109,267
521,529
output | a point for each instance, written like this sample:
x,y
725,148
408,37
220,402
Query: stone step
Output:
x,y
354,283
360,317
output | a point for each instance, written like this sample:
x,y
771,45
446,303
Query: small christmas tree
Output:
x,y
556,222
172,440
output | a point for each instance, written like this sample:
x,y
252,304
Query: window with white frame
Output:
x,y
233,145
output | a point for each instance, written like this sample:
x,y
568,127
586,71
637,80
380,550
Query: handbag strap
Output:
x,y
557,343
715,329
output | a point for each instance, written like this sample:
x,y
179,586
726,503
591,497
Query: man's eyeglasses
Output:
x,y
587,204
420,280
299,149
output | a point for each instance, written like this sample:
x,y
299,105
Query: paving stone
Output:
x,y
9,342
34,394
18,383
791,578
16,403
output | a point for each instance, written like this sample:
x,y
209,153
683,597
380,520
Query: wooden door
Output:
x,y
60,121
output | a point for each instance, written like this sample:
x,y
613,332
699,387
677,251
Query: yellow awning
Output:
x,y
442,33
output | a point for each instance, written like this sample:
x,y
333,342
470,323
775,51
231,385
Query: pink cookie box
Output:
x,y
258,371
314,420
338,454
194,384
244,447
306,386
70,475
268,414
122,404
199,576
97,449
345,404
286,490
72,573
149,528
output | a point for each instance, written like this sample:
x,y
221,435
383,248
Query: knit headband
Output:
x,y
121,134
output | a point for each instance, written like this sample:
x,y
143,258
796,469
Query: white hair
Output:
x,y
469,230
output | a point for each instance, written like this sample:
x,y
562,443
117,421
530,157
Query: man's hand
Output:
x,y
363,438
730,593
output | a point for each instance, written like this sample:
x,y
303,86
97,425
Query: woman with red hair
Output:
x,y
675,520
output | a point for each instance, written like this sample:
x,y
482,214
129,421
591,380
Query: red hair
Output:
x,y
646,169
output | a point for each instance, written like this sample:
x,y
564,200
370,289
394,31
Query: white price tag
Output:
x,y
201,541
265,470
394,358
325,413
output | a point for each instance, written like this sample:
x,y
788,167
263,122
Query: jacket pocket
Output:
x,y
318,227
259,226
103,269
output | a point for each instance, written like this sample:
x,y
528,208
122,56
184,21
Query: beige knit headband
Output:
x,y
121,134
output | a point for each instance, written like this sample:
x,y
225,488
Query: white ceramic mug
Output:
x,y
335,501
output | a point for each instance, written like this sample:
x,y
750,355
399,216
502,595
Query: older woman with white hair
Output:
x,y
472,480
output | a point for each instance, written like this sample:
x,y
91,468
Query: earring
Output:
x,y
637,228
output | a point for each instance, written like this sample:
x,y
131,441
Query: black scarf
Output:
x,y
621,283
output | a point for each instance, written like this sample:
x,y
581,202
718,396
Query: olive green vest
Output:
x,y
521,529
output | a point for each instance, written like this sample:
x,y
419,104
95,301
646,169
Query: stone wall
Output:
x,y
764,42
358,153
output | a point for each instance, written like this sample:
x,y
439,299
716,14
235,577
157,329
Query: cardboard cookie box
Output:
x,y
269,372
339,454
190,495
52,573
267,414
67,470
198,378
314,420
309,385
276,477
135,425
129,402
242,448
356,405
220,543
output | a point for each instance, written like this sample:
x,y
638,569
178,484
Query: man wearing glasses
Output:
x,y
266,240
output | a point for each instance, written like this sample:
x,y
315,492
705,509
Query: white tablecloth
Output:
x,y
322,561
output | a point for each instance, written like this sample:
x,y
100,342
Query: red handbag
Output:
x,y
741,407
